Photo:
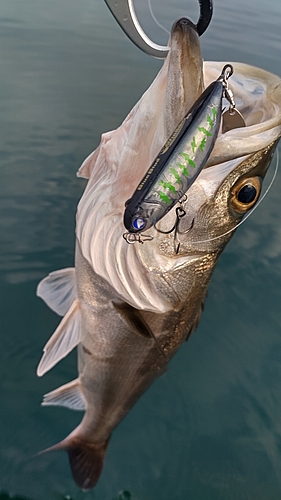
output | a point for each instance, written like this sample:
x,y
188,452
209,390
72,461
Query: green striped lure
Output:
x,y
180,160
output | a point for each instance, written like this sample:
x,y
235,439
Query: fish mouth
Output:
x,y
242,150
257,95
258,98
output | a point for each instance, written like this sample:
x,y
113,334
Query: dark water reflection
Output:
x,y
210,428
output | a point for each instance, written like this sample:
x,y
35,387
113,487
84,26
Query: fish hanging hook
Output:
x,y
125,15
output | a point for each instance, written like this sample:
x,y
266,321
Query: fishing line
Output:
x,y
155,19
251,211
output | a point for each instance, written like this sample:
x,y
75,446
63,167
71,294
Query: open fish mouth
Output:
x,y
257,95
117,166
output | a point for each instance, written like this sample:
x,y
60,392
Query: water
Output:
x,y
210,428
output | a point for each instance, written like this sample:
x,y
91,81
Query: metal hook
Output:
x,y
124,13
180,213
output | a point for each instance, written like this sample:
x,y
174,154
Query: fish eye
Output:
x,y
245,193
138,223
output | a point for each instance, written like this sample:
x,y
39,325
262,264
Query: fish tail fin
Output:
x,y
86,460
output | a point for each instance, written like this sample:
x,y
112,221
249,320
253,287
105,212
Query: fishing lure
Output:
x,y
180,160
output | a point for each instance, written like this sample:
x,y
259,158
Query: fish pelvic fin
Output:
x,y
86,460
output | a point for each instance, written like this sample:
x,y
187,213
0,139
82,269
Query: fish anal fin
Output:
x,y
69,395
86,459
64,339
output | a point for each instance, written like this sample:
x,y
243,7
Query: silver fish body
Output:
x,y
128,308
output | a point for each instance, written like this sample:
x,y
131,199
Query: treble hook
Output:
x,y
180,213
125,15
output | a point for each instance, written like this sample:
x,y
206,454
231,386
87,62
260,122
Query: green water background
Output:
x,y
209,429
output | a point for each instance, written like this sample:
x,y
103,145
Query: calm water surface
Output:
x,y
210,429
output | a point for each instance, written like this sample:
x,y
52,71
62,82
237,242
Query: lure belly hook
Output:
x,y
124,13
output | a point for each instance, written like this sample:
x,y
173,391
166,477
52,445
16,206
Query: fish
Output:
x,y
129,307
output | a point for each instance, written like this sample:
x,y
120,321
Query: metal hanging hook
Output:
x,y
124,13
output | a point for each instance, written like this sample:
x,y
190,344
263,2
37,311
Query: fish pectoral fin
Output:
x,y
58,290
69,395
133,318
196,320
64,339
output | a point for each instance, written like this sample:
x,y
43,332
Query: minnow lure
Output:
x,y
180,160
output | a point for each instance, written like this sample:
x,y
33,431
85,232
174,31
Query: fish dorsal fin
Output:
x,y
58,290
69,395
64,339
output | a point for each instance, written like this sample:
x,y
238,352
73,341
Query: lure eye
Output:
x,y
245,193
138,223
